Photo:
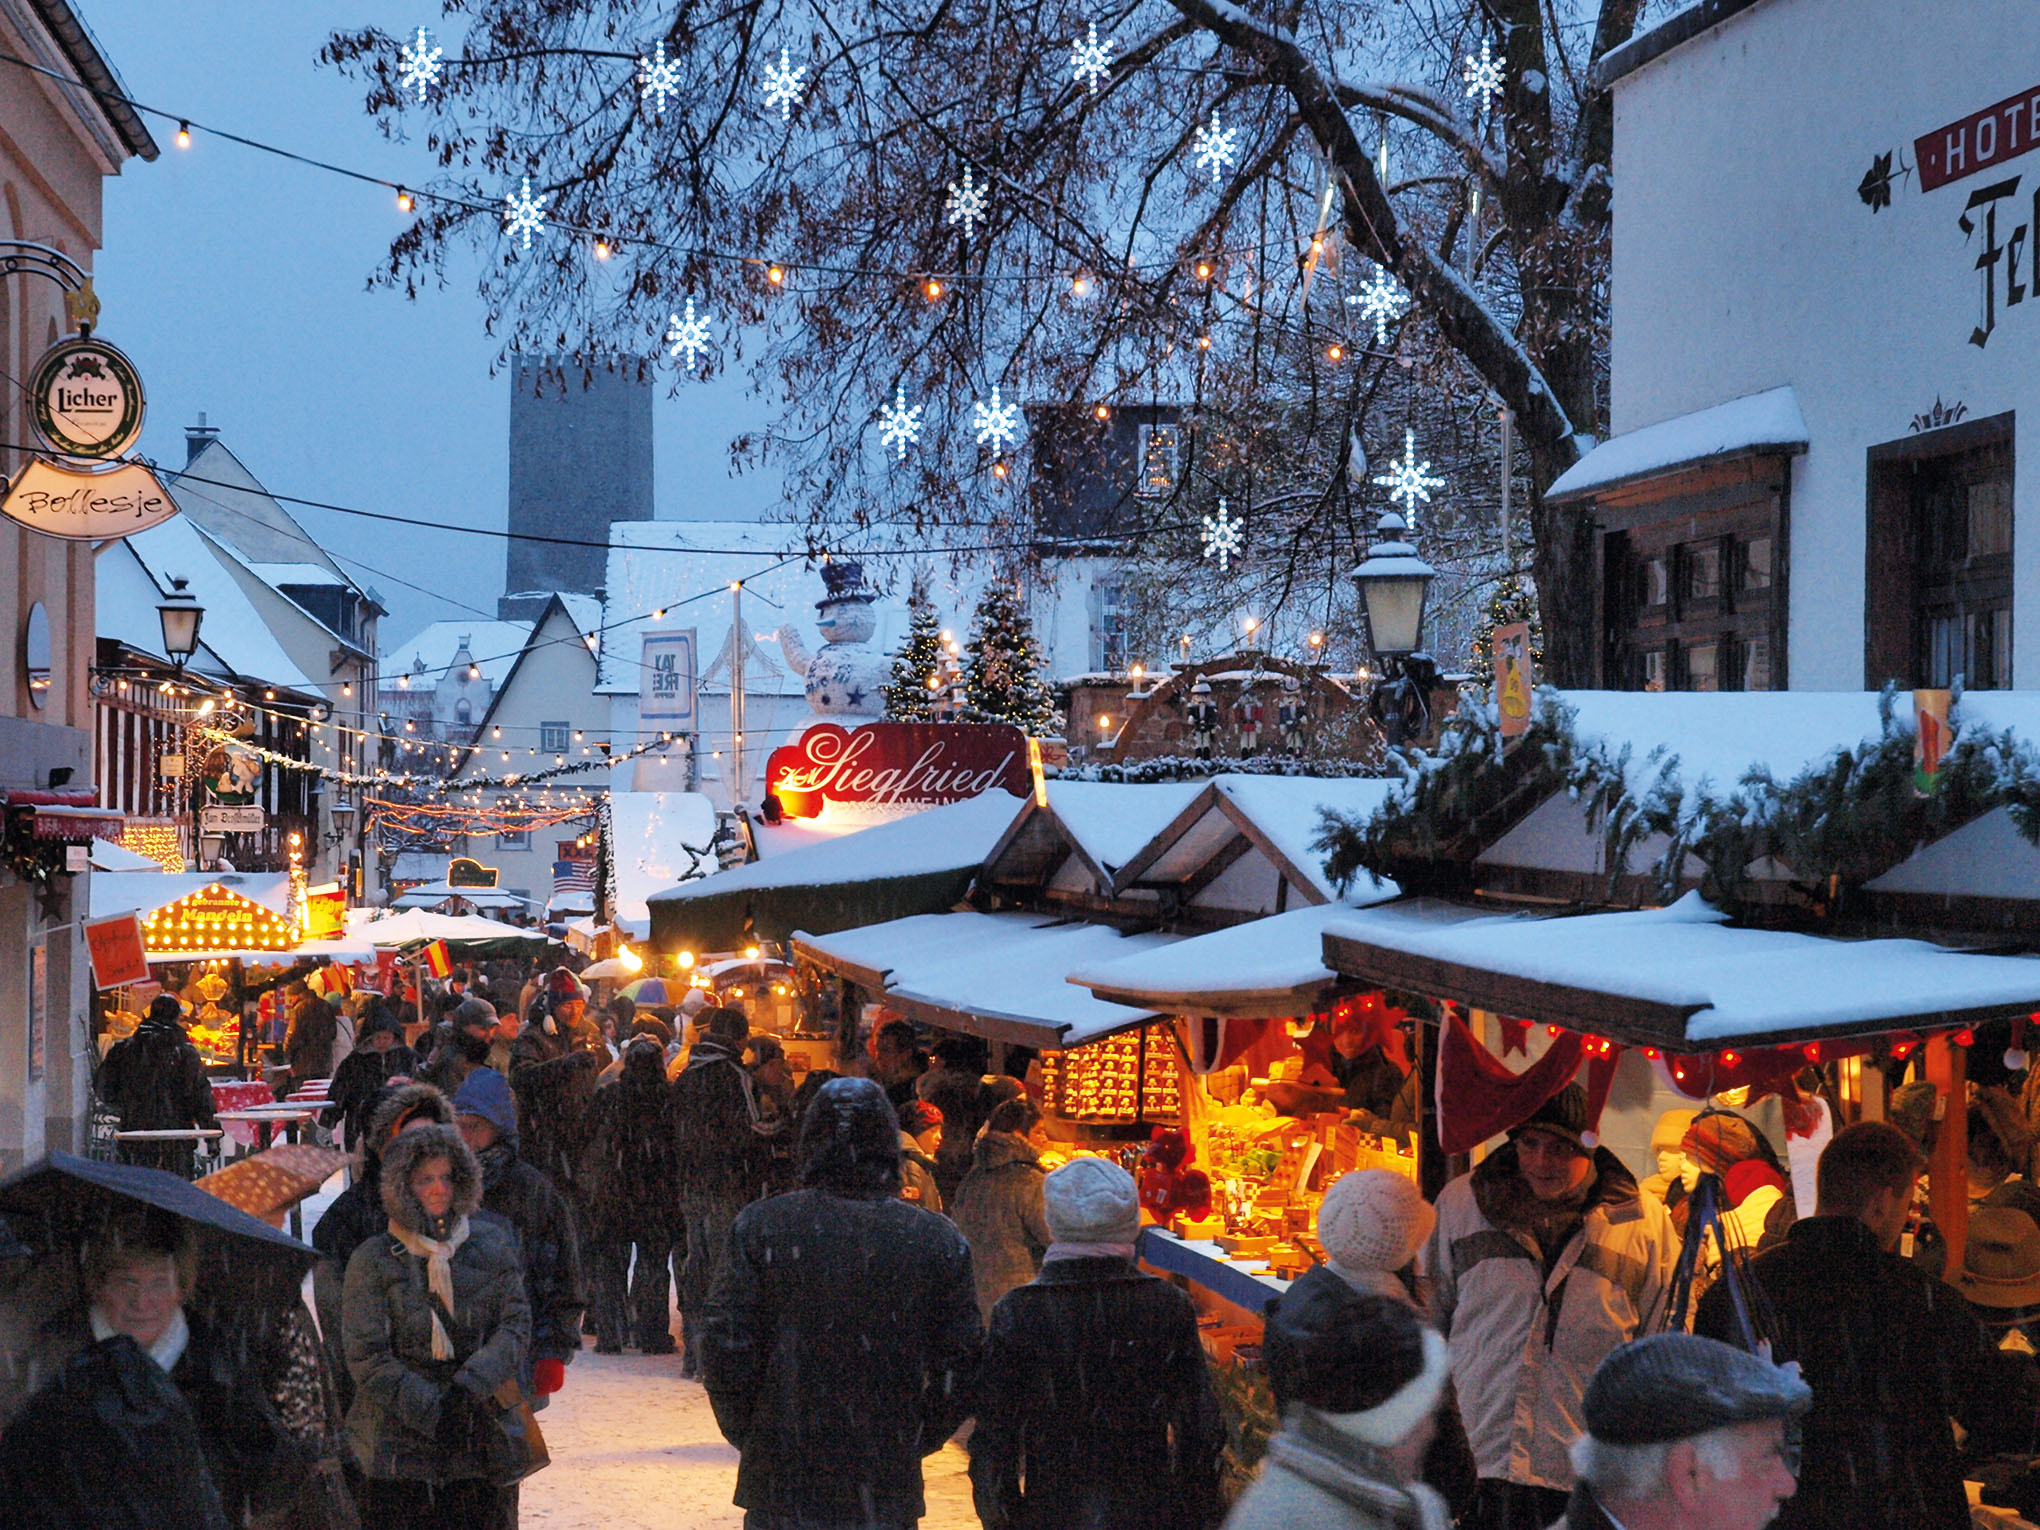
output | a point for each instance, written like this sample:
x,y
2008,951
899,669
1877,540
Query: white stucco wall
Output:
x,y
1745,259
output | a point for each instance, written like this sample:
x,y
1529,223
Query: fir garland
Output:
x,y
1173,767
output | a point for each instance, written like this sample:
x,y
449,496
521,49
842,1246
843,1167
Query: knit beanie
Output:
x,y
1092,1201
1376,1219
1718,1141
695,1002
1911,1110
1563,1115
1367,1360
916,1116
486,1093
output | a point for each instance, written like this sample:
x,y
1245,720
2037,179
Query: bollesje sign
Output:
x,y
896,767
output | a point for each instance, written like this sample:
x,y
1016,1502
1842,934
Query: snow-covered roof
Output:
x,y
1112,821
586,611
997,975
494,647
651,835
1682,977
1286,809
132,575
143,892
427,894
1758,422
281,574
416,924
1272,966
107,856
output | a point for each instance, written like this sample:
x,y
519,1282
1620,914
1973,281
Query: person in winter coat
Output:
x,y
772,1089
436,1322
1683,1433
717,1158
1543,1260
1361,1379
1892,1354
156,1081
831,1392
999,1205
379,1055
633,1203
357,1214
954,1085
552,1072
309,1046
1095,1407
543,1222
920,1139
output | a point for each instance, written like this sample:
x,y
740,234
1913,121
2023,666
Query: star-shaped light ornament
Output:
x,y
420,62
524,213
1483,76
998,424
687,334
1408,481
1224,536
1381,301
1217,148
1090,59
783,84
899,425
969,204
658,78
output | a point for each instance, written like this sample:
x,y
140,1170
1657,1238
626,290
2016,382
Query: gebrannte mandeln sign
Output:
x,y
896,765
96,507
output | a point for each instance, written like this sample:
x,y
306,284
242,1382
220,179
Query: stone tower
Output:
x,y
580,457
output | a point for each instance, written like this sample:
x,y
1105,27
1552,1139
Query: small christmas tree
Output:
x,y
1510,602
1002,680
911,694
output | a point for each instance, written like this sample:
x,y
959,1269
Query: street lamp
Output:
x,y
343,818
210,847
180,613
1393,581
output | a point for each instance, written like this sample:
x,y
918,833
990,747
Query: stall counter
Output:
x,y
1204,1263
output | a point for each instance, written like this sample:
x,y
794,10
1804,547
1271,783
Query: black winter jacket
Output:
x,y
554,1081
1096,1410
515,1191
719,1156
841,1347
356,1084
1891,1354
156,1081
633,1191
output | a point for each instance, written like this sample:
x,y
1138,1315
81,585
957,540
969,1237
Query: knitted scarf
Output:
x,y
438,1257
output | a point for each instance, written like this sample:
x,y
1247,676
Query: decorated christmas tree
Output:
x,y
1002,677
1510,602
910,695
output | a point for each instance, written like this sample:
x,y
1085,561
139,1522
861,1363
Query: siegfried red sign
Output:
x,y
1980,141
897,765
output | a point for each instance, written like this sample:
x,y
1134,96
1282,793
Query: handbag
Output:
x,y
510,1443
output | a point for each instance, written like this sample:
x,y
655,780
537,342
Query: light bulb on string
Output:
x,y
404,200
183,135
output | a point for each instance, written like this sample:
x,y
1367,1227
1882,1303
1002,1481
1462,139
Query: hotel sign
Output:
x,y
1981,141
897,765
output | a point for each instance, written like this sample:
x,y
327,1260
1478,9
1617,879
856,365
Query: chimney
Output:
x,y
198,437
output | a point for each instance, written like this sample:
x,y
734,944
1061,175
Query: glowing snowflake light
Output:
x,y
688,334
1090,59
524,213
658,78
1409,481
1380,300
1217,147
783,84
998,424
1224,537
421,64
898,425
968,204
1483,76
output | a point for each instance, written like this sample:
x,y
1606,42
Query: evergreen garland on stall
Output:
x,y
1510,601
910,695
1002,670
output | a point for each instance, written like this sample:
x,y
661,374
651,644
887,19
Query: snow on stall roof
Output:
x,y
416,924
492,645
1286,809
107,856
143,892
1716,737
653,834
946,838
1114,820
1768,421
1007,967
1743,984
1279,952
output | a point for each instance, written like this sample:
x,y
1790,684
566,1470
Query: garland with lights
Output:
x,y
433,784
1176,767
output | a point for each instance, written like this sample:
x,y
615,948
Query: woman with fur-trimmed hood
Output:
x,y
435,1320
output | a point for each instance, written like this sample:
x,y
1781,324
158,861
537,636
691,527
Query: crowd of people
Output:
x,y
869,1264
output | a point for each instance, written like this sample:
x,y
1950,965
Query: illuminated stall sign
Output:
x,y
901,766
216,919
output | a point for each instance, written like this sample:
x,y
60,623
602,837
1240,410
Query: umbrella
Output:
x,y
57,1200
269,1183
646,991
609,970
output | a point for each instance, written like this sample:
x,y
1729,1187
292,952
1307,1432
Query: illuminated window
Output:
x,y
1157,471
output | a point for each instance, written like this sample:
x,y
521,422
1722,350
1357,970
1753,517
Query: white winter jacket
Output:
x,y
1523,1343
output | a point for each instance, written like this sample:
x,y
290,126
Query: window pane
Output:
x,y
1944,650
1756,664
1654,669
1653,583
1756,564
1701,667
1990,518
552,737
1157,472
1703,570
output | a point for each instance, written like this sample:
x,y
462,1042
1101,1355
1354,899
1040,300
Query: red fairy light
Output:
x,y
1555,1029
1730,1059
1965,1037
1812,1050
1652,1053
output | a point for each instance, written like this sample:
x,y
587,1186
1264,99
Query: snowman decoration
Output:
x,y
844,680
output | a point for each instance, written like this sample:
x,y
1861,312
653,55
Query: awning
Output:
x,y
1000,976
1681,978
1761,424
471,934
432,894
920,864
67,816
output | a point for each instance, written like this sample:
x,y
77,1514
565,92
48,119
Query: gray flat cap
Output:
x,y
1673,1386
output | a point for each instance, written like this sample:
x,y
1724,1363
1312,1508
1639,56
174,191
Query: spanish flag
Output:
x,y
437,961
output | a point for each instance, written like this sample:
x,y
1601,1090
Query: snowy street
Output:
x,y
635,1448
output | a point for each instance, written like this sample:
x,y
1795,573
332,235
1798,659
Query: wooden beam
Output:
x,y
1948,1167
1221,861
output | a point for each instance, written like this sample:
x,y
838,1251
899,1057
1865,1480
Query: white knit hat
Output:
x,y
1376,1219
1092,1201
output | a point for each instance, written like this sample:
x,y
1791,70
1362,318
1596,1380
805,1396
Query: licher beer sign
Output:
x,y
896,765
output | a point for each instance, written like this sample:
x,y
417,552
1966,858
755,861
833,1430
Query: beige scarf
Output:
x,y
438,1257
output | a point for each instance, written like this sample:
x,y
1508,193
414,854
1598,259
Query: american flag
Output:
x,y
573,877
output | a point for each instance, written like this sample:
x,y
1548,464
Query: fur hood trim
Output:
x,y
408,1102
401,1158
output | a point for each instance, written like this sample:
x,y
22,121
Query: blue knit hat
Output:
x,y
486,1093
